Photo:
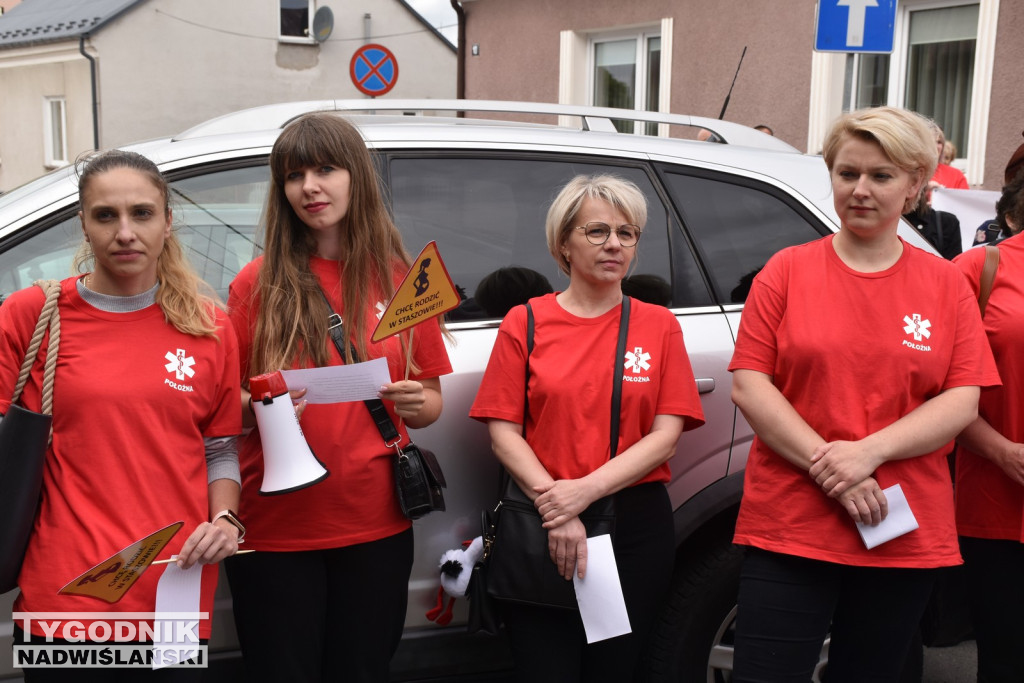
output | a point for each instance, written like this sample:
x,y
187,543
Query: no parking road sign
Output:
x,y
374,70
855,25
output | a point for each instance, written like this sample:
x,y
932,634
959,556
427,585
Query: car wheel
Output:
x,y
693,640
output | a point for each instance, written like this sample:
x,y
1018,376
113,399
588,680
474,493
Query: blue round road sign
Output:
x,y
374,70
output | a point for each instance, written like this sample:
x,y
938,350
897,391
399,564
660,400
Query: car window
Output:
x,y
46,255
488,213
215,215
737,226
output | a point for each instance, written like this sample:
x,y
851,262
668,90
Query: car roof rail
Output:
x,y
273,116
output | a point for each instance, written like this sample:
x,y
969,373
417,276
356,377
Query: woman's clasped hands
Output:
x,y
559,505
843,470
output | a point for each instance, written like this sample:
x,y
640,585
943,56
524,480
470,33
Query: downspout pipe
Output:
x,y
95,100
460,69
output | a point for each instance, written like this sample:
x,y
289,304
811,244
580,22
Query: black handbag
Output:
x,y
518,563
24,438
418,477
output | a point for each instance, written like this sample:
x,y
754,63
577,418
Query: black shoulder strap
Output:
x,y
620,357
378,412
529,351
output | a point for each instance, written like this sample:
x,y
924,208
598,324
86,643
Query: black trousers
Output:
x,y
995,577
786,607
549,645
322,615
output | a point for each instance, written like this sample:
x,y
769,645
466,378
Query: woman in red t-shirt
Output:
x,y
324,598
138,442
562,458
858,359
990,461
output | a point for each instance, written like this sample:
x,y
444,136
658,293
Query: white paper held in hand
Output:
x,y
599,593
899,521
177,605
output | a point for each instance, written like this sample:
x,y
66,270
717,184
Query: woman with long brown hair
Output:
x,y
325,596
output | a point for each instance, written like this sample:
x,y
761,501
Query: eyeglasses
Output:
x,y
597,233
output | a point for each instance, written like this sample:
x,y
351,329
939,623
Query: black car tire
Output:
x,y
692,641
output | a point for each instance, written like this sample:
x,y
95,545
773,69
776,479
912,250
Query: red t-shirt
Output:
x,y
128,455
988,503
571,382
357,502
950,177
854,352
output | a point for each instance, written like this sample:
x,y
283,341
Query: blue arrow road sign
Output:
x,y
855,25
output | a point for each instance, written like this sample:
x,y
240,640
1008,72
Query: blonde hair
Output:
x,y
188,303
291,325
905,137
622,194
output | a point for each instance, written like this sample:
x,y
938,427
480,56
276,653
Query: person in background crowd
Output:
x,y
764,129
134,448
822,324
948,152
325,597
990,462
945,175
559,453
941,228
990,231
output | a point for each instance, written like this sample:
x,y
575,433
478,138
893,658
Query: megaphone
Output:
x,y
288,462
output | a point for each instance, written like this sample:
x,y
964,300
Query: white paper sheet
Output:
x,y
176,624
899,521
340,383
599,593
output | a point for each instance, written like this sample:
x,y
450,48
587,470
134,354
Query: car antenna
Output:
x,y
726,103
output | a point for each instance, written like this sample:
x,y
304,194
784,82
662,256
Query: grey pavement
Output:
x,y
955,664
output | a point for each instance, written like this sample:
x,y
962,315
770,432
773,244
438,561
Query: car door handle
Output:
x,y
705,385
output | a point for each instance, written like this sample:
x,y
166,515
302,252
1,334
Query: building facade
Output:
x,y
82,74
957,61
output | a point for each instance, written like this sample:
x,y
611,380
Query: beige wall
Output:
x,y
1006,121
25,87
170,64
167,65
519,48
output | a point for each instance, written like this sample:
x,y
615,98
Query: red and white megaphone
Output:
x,y
288,462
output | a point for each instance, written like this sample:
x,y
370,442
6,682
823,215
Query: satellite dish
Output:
x,y
323,24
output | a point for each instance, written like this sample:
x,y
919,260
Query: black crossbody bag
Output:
x,y
518,563
418,477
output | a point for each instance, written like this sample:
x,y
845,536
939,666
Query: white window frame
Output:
x,y
828,69
55,158
308,39
639,38
576,66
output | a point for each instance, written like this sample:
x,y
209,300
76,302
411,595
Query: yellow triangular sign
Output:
x,y
111,578
427,291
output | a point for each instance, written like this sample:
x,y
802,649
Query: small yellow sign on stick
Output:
x,y
427,291
111,578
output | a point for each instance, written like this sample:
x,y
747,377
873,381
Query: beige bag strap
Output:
x,y
48,318
988,276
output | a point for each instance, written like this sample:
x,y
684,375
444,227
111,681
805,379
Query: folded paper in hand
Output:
x,y
899,521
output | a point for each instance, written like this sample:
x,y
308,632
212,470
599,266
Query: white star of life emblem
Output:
x,y
917,327
636,360
180,364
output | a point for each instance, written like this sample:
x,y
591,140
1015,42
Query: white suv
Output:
x,y
481,188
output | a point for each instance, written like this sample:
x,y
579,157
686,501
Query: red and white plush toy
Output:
x,y
456,568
